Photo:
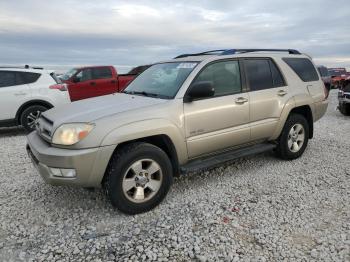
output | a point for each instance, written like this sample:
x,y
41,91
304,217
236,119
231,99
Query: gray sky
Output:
x,y
69,32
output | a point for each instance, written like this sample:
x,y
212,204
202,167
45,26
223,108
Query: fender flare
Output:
x,y
148,128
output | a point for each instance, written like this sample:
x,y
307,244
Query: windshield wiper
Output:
x,y
146,94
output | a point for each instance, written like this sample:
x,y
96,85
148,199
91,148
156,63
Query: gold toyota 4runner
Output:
x,y
189,113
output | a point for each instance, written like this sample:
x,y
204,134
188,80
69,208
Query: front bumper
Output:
x,y
89,164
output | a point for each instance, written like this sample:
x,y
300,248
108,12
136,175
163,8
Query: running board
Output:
x,y
217,160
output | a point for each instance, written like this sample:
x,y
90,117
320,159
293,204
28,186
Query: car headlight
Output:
x,y
70,134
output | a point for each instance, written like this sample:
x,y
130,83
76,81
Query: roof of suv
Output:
x,y
199,57
30,70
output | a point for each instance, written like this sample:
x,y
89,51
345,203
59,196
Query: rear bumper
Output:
x,y
89,164
320,109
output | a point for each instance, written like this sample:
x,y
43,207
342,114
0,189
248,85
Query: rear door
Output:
x,y
268,92
104,81
13,93
219,122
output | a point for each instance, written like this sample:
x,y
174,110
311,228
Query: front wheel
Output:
x,y
294,137
138,178
30,115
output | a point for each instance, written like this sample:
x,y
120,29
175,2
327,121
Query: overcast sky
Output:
x,y
68,32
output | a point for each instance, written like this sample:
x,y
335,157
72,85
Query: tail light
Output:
x,y
61,87
326,91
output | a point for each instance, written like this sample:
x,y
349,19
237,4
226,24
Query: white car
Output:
x,y
26,92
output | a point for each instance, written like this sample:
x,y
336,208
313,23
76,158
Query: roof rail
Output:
x,y
235,51
22,67
210,52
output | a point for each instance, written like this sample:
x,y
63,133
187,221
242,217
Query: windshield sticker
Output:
x,y
187,65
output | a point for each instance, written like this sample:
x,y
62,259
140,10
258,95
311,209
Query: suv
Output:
x,y
25,93
183,115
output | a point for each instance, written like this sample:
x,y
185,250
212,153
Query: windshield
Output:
x,y
68,74
161,80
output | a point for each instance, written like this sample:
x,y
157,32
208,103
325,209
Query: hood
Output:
x,y
89,110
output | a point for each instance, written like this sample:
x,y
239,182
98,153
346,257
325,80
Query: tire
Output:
x,y
29,115
344,109
286,148
129,190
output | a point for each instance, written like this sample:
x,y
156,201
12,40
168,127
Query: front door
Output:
x,y
219,122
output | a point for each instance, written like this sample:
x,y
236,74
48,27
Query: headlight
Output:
x,y
70,134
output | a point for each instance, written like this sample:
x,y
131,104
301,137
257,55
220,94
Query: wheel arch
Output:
x,y
31,103
305,110
162,141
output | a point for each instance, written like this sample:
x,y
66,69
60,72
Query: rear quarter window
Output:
x,y
303,68
27,77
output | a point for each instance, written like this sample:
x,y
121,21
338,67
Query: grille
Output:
x,y
44,128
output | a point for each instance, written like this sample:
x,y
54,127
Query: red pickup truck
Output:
x,y
338,75
86,82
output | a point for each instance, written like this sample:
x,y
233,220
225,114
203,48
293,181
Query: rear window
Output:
x,y
277,77
101,73
303,68
259,74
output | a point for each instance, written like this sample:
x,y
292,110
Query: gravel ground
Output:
x,y
255,209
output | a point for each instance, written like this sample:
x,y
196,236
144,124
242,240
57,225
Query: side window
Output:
x,y
277,77
7,78
259,74
84,75
225,76
102,73
303,68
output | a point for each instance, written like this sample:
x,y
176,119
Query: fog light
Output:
x,y
55,171
68,173
62,172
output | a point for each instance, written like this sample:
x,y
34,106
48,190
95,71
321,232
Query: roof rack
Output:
x,y
211,52
235,51
23,67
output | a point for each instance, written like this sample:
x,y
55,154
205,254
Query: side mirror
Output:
x,y
76,79
200,89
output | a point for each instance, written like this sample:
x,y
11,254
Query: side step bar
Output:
x,y
217,160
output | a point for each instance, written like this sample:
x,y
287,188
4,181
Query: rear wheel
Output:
x,y
30,115
294,137
138,178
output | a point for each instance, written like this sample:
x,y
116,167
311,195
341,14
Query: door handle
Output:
x,y
20,94
281,93
241,100
93,83
113,82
